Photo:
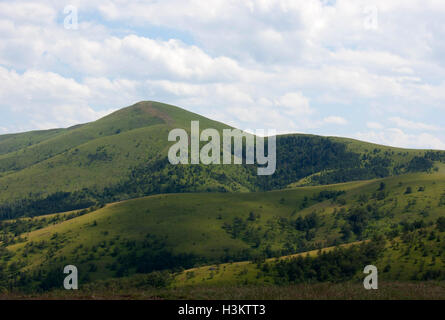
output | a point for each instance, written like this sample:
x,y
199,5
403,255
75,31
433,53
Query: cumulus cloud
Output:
x,y
335,120
374,125
294,103
46,100
414,125
398,138
295,65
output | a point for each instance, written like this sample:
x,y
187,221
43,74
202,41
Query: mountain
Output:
x,y
103,196
124,155
183,231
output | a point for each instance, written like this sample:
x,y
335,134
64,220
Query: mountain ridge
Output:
x,y
104,197
124,155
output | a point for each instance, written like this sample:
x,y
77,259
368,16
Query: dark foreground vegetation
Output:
x,y
431,290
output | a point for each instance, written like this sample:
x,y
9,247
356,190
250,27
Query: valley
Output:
x,y
102,196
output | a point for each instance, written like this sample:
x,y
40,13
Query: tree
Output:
x,y
346,232
441,224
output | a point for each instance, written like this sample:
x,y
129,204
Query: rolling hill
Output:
x,y
124,155
175,231
104,197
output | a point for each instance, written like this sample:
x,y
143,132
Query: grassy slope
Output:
x,y
192,223
235,273
406,262
102,153
13,142
60,160
399,155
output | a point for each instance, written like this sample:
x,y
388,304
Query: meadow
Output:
x,y
103,197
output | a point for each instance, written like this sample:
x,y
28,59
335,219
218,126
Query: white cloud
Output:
x,y
413,125
46,100
374,125
290,64
397,138
335,120
28,12
294,103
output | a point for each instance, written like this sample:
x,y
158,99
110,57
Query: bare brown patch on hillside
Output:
x,y
147,107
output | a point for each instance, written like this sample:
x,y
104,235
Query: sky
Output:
x,y
370,70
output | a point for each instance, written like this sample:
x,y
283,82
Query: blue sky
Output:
x,y
371,70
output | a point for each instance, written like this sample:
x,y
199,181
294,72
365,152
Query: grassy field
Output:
x,y
214,236
231,274
404,260
203,226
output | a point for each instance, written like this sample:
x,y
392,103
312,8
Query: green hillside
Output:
x,y
104,197
415,255
95,154
175,231
124,155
